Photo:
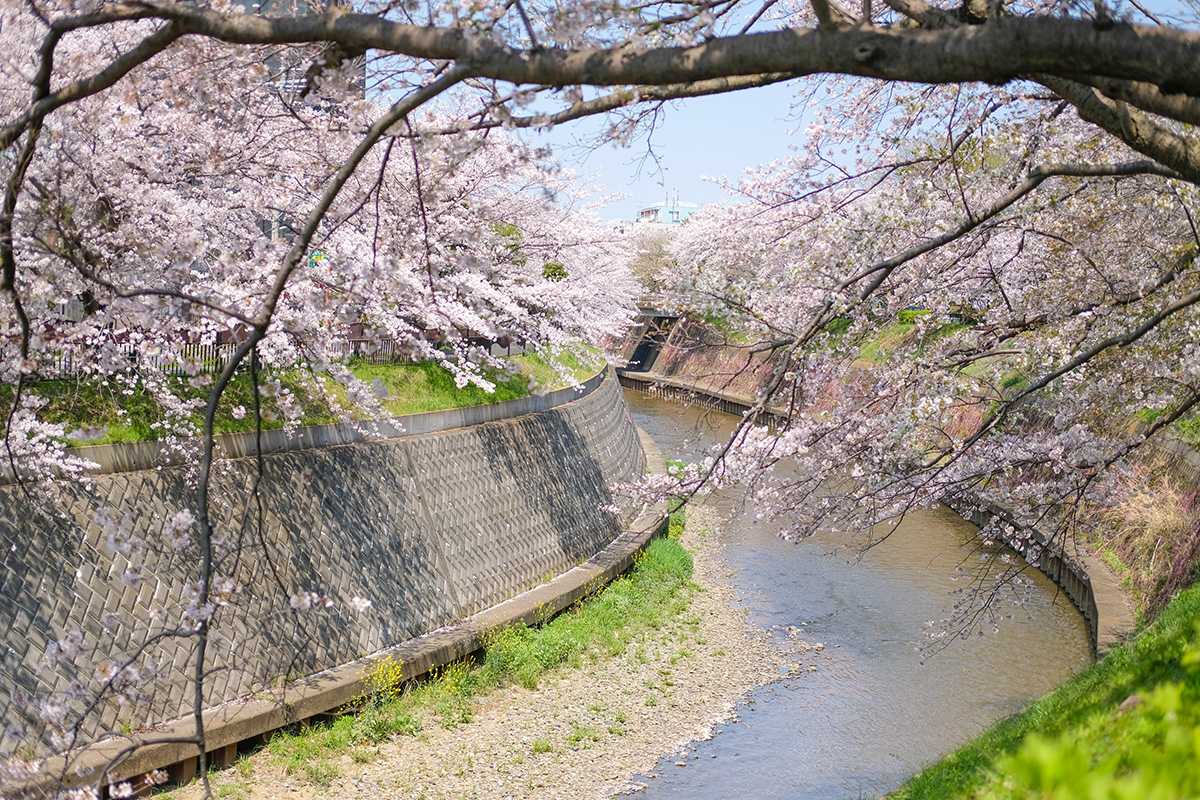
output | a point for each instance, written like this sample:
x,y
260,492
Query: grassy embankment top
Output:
x,y
105,412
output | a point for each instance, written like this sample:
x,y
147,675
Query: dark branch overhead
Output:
x,y
998,51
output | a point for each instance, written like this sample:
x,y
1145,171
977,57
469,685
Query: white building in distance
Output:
x,y
669,212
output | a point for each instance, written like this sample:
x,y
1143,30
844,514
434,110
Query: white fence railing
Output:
x,y
192,359
210,359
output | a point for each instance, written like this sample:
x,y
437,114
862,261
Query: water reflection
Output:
x,y
875,710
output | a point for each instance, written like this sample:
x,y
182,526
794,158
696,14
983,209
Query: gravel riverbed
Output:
x,y
584,731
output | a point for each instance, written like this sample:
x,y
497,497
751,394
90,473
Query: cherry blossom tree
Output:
x,y
213,194
1017,176
989,299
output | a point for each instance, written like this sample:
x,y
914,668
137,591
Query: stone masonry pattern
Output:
x,y
430,529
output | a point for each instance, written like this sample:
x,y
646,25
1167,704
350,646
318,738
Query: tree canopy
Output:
x,y
977,271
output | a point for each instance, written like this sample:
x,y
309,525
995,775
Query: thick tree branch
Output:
x,y
997,51
1118,118
1131,126
1147,97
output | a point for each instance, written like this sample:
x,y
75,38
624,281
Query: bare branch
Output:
x,y
620,99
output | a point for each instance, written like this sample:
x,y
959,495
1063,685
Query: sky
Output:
x,y
698,139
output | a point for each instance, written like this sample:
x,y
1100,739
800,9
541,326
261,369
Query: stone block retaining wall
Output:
x,y
431,528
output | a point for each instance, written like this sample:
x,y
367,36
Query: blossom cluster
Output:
x,y
946,292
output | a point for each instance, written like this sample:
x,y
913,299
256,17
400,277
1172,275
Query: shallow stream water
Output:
x,y
876,709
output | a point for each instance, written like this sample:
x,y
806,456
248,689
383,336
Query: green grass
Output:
x,y
107,411
1188,429
837,326
880,346
582,735
1077,743
655,591
234,790
417,388
112,411
542,369
910,315
944,331
1113,561
1147,416
727,326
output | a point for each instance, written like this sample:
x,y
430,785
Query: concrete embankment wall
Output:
x,y
688,355
430,525
1084,580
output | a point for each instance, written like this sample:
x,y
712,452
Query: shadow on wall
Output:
x,y
40,553
430,529
565,489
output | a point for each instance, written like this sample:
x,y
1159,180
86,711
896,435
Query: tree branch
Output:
x,y
998,51
1131,126
1036,177
262,322
620,98
118,68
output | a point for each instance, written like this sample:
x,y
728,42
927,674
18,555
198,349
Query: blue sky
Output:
x,y
716,136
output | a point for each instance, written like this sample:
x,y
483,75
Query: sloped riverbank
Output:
x,y
583,733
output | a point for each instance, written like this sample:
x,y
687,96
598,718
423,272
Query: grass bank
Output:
x,y
94,411
1128,727
654,593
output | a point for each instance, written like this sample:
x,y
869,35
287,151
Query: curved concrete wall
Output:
x,y
431,528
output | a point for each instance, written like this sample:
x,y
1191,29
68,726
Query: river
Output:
x,y
876,709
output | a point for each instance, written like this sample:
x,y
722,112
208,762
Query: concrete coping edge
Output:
x,y
684,385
